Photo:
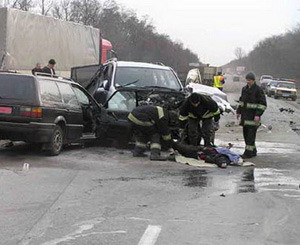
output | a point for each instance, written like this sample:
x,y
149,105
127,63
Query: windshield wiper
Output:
x,y
159,87
127,84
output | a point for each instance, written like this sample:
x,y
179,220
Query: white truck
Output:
x,y
27,38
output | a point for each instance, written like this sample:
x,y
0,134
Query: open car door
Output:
x,y
84,74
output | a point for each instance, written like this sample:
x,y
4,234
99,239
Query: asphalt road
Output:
x,y
98,195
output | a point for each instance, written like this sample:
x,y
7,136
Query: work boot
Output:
x,y
138,152
155,156
247,155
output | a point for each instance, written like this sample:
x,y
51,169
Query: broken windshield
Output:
x,y
146,77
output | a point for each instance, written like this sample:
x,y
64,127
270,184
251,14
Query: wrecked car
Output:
x,y
121,86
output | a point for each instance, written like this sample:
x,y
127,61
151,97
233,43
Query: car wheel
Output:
x,y
57,141
294,98
275,97
269,94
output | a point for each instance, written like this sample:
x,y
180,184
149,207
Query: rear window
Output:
x,y
17,88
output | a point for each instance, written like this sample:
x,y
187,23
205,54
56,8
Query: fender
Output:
x,y
60,119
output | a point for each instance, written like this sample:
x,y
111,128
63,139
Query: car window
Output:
x,y
15,87
286,85
122,101
68,94
49,91
81,96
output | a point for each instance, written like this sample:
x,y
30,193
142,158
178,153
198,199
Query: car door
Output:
x,y
74,117
91,111
118,107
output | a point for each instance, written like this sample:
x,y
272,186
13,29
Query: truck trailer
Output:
x,y
27,38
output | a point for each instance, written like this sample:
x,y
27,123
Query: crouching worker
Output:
x,y
199,108
150,123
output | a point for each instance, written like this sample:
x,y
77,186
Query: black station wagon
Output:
x,y
51,111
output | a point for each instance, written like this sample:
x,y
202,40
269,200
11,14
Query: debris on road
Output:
x,y
222,195
288,110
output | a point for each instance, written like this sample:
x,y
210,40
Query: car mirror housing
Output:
x,y
100,95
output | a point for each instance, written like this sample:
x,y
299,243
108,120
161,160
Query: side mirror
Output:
x,y
100,95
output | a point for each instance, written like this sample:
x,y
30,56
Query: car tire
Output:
x,y
294,98
269,94
275,97
57,142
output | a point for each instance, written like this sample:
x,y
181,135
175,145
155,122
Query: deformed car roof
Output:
x,y
141,64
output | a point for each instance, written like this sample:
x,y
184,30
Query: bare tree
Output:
x,y
62,10
85,11
25,5
239,53
45,6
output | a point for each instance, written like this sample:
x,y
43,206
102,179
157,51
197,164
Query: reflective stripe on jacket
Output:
x,y
147,116
252,103
207,108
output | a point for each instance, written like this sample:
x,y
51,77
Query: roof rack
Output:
x,y
159,63
8,71
51,75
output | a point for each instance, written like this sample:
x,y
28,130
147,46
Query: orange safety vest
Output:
x,y
218,81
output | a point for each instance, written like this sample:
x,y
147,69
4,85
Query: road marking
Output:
x,y
150,236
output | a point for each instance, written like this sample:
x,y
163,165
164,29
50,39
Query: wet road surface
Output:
x,y
99,195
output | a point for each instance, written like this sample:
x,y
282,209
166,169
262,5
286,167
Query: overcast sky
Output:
x,y
214,28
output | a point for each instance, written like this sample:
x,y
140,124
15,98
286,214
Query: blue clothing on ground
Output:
x,y
233,157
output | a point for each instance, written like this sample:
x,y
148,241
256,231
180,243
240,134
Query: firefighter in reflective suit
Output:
x,y
199,108
150,123
252,105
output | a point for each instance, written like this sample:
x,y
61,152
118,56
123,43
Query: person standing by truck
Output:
x,y
219,81
37,68
50,67
252,105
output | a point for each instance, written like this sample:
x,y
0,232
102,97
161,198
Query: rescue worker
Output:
x,y
199,108
150,123
252,105
219,81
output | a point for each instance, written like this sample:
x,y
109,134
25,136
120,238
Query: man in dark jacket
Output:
x,y
150,123
50,67
196,108
252,105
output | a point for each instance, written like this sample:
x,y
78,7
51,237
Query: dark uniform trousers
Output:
x,y
196,132
143,135
249,133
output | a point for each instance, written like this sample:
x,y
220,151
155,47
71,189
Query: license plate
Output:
x,y
286,95
5,110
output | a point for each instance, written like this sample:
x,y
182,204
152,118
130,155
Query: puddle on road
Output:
x,y
196,178
263,147
251,180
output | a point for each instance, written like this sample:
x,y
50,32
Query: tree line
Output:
x,y
277,55
133,38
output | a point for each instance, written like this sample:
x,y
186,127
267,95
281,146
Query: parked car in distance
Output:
x,y
270,88
50,111
264,80
285,89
